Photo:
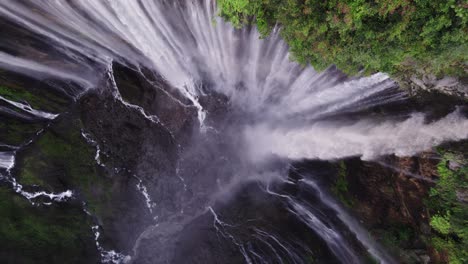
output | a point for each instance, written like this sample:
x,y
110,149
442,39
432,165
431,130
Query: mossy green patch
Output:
x,y
44,100
38,99
449,214
441,223
15,94
31,234
340,188
396,236
62,159
14,132
28,173
364,36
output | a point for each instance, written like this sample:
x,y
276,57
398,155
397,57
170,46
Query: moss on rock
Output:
x,y
42,100
62,159
54,234
449,214
14,132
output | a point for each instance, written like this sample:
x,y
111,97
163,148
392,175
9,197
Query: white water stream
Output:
x,y
288,106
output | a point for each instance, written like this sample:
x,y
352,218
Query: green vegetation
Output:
x,y
340,188
16,94
391,36
30,234
46,101
14,132
397,236
441,224
61,159
449,217
48,234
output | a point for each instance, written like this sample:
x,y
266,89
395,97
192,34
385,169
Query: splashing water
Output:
x,y
187,44
108,256
287,109
366,138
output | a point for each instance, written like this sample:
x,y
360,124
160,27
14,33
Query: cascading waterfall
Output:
x,y
288,110
369,139
7,160
334,239
187,44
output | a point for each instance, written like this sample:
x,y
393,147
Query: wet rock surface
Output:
x,y
394,199
148,183
389,191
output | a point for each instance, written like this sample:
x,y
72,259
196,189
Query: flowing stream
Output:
x,y
283,110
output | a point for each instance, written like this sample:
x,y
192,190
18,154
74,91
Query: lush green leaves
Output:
x,y
450,214
441,224
378,35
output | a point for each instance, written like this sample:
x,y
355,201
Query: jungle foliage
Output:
x,y
449,210
355,35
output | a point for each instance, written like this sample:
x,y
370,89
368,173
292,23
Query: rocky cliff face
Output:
x,y
118,159
391,190
416,81
135,159
394,198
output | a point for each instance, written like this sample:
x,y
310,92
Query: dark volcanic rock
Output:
x,y
125,138
157,97
389,191
248,220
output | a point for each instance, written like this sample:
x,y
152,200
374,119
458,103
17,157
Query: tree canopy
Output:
x,y
369,35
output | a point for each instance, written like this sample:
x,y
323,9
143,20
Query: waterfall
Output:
x,y
187,44
287,111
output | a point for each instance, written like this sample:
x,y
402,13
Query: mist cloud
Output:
x,y
367,139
